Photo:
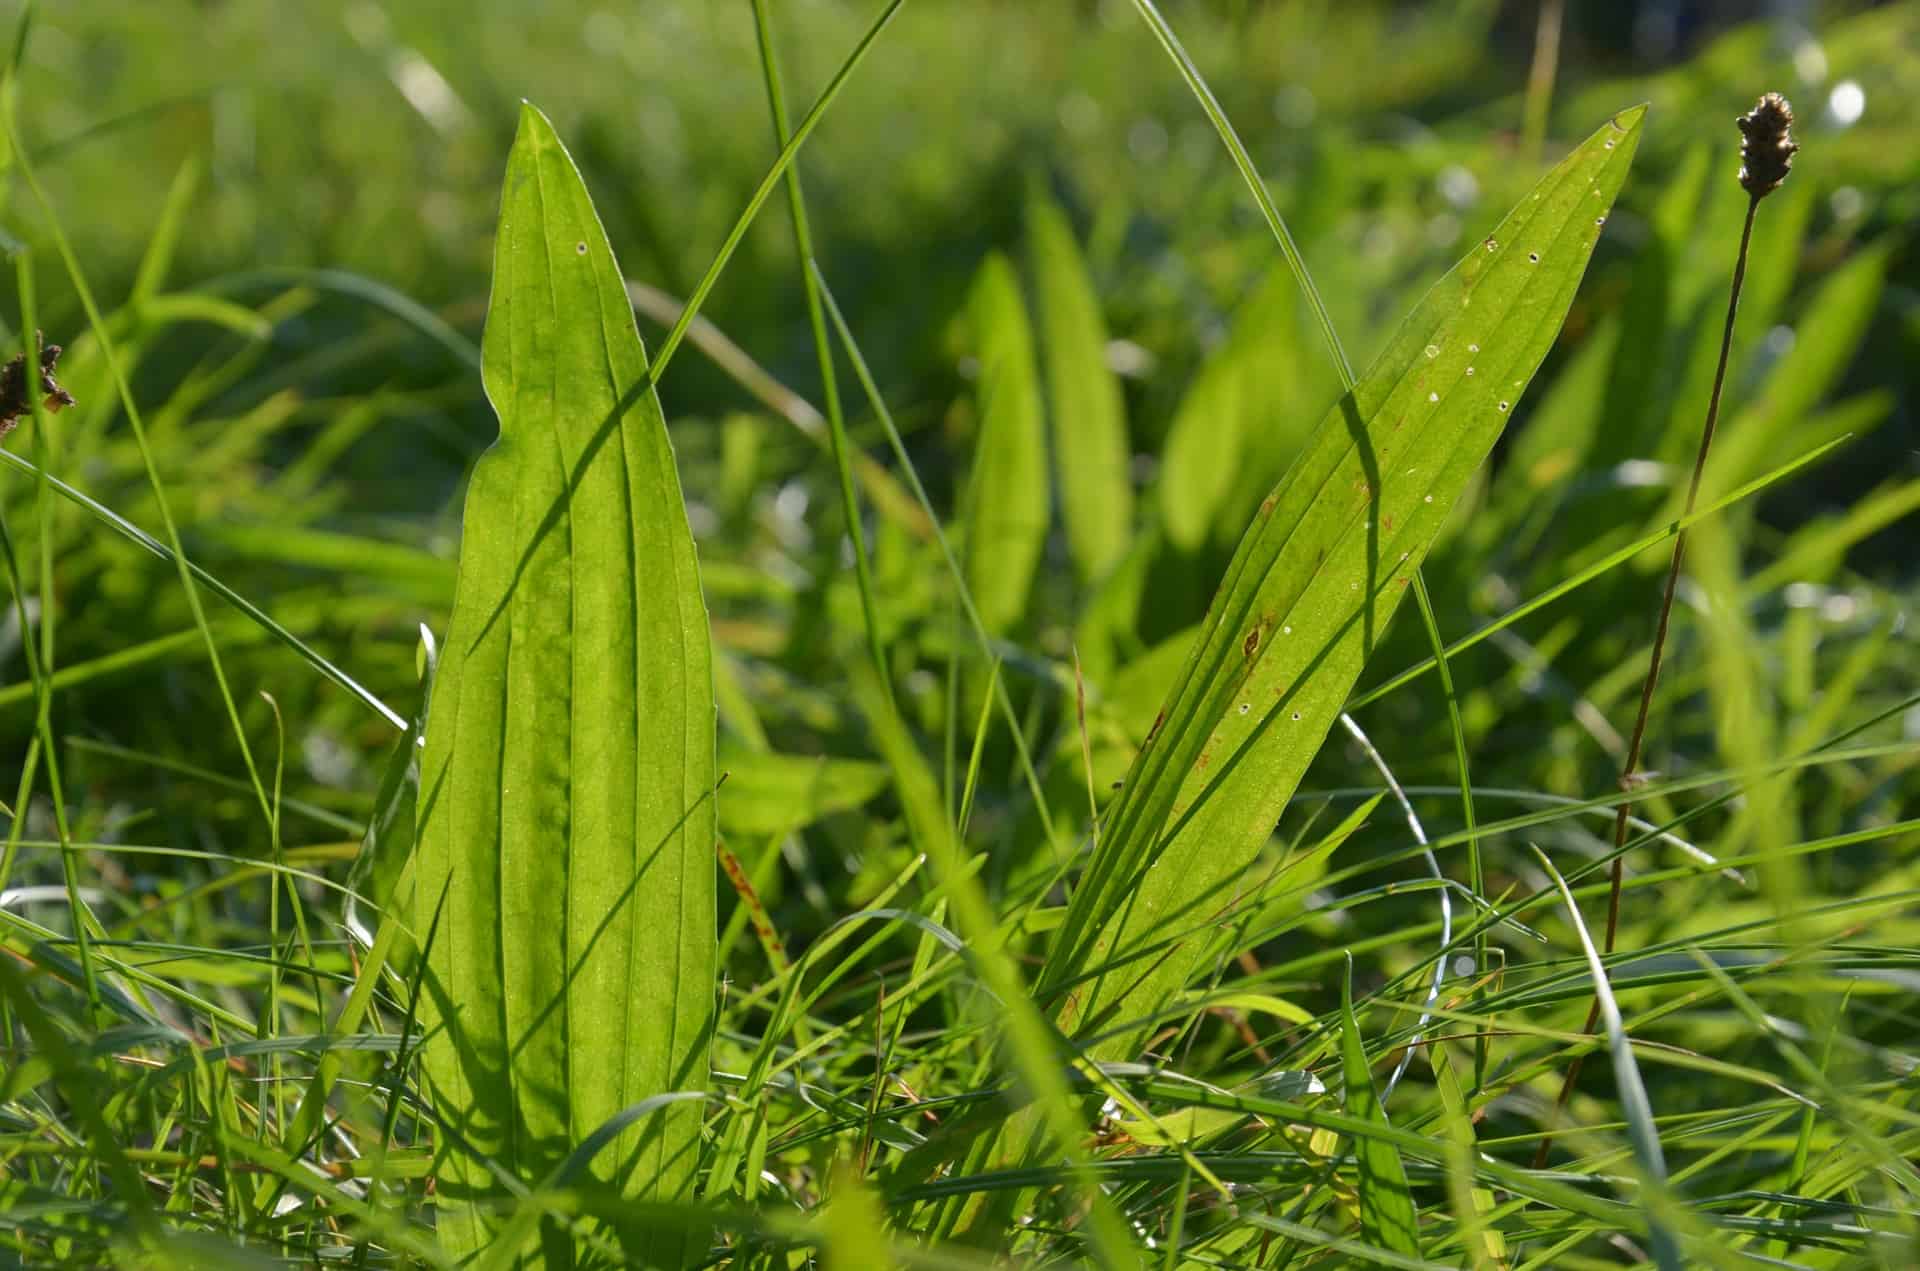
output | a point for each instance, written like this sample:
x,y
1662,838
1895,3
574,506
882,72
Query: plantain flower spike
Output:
x,y
1767,148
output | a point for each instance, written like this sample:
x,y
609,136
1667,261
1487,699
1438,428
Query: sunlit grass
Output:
x,y
211,1068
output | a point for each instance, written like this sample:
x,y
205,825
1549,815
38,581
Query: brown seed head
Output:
x,y
17,391
1767,147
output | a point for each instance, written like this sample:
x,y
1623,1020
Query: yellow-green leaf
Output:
x,y
566,807
1316,577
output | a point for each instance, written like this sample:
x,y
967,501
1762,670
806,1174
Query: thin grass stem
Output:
x,y
822,345
1630,776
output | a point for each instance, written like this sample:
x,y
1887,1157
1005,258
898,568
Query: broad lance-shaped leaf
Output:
x,y
1084,404
566,806
1007,503
1320,571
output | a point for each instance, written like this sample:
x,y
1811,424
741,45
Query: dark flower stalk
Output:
x,y
1767,148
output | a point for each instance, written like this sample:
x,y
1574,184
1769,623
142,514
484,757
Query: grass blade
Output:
x,y
1626,1075
566,795
1386,1204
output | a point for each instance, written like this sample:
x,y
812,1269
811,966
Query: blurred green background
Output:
x,y
315,444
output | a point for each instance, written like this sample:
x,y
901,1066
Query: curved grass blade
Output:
x,y
1084,406
1256,185
566,796
127,529
1387,1214
1007,500
370,290
1626,1075
1318,574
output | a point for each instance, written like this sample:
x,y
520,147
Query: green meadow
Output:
x,y
954,633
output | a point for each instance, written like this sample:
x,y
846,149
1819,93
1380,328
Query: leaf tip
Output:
x,y
535,127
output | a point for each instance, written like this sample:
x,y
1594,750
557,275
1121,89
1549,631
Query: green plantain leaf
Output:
x,y
1007,502
1318,574
566,805
1083,397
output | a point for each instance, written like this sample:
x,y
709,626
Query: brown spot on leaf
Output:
x,y
1252,643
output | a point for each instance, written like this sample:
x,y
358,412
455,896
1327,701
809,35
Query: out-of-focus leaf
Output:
x,y
856,1227
1007,501
1825,340
770,793
1084,406
1202,451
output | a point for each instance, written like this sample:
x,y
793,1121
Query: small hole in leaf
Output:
x,y
1429,498
1245,707
1433,350
1433,397
1492,246
1296,715
1473,348
1469,370
1534,257
1599,220
1503,406
579,249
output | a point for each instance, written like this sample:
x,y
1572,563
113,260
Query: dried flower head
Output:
x,y
1767,148
14,389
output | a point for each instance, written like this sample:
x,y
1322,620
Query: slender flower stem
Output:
x,y
1630,770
